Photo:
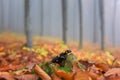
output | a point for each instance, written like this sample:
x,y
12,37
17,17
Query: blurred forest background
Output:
x,y
94,21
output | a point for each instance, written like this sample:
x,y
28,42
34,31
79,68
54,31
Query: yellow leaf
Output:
x,y
39,57
78,58
109,61
26,48
109,55
42,51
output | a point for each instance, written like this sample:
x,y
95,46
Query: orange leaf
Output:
x,y
2,53
1,48
75,68
112,72
102,66
26,77
6,76
94,76
81,75
63,74
55,77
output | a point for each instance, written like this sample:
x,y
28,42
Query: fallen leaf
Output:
x,y
86,63
94,76
55,77
21,72
102,66
112,72
26,77
10,67
42,74
75,68
6,76
81,75
63,74
1,48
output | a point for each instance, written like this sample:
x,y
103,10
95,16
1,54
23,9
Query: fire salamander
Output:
x,y
61,57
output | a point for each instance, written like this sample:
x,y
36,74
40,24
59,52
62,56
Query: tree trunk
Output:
x,y
101,8
41,23
64,20
28,29
113,23
2,17
81,25
94,24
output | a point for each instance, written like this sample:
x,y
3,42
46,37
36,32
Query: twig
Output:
x,y
43,75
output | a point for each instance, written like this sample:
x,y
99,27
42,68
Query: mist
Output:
x,y
12,19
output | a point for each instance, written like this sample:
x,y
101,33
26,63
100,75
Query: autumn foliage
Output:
x,y
18,62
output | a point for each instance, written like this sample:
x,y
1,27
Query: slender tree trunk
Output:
x,y
10,16
28,29
64,20
113,23
81,25
101,8
74,21
94,24
2,17
42,9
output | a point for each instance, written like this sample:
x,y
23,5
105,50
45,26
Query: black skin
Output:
x,y
60,58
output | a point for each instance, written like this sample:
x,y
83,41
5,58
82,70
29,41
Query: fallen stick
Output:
x,y
42,74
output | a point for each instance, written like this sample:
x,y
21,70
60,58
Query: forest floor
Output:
x,y
18,62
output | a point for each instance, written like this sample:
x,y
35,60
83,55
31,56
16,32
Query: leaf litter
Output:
x,y
18,62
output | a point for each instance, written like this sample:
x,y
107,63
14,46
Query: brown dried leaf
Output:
x,y
112,78
112,71
75,67
102,66
26,77
6,76
94,76
10,67
3,61
86,63
81,75
94,69
101,78
21,72
30,66
55,77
